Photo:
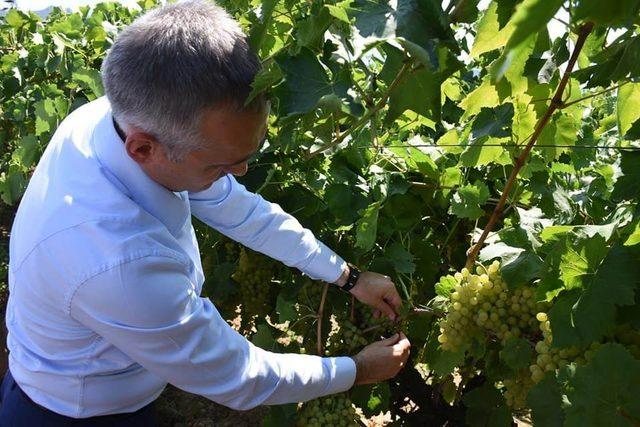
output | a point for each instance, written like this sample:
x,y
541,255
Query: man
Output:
x,y
105,271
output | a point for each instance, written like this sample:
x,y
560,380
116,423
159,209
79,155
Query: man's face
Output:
x,y
232,137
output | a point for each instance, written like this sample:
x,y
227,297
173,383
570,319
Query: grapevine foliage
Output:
x,y
399,131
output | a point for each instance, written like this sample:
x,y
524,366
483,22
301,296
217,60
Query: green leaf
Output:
x,y
634,237
441,362
607,13
421,22
545,401
486,407
27,152
489,36
562,131
467,200
485,151
338,11
493,122
485,95
367,226
401,259
517,353
71,26
627,185
530,17
15,18
310,31
46,117
259,29
583,317
580,261
89,78
263,337
285,306
307,82
628,106
265,79
605,392
418,91
614,284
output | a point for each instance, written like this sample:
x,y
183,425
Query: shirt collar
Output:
x,y
171,208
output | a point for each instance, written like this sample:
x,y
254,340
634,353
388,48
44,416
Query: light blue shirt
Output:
x,y
105,280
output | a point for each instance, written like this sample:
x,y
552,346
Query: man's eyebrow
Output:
x,y
233,164
242,160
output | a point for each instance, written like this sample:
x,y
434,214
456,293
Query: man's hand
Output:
x,y
382,359
376,291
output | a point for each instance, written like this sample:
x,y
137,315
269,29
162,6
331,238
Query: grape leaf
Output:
x,y
401,259
628,107
606,13
367,226
467,200
486,407
517,353
627,185
306,83
489,35
582,317
580,260
545,401
605,392
614,284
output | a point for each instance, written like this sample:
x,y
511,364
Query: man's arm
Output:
x,y
150,310
246,217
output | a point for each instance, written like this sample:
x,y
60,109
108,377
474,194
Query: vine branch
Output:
x,y
556,103
612,88
320,313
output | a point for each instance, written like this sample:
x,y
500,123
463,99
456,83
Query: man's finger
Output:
x,y
402,343
394,300
386,310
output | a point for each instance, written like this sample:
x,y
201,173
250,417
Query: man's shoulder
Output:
x,y
76,253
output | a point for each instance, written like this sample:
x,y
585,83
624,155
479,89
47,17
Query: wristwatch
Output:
x,y
354,274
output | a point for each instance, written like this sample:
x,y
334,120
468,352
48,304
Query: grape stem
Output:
x,y
320,312
556,103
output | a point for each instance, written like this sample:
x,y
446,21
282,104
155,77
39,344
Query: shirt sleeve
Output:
x,y
247,218
150,310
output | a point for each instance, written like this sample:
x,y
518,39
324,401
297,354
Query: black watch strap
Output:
x,y
354,274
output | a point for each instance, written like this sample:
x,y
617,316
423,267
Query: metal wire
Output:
x,y
505,145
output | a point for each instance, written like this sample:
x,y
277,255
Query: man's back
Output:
x,y
77,219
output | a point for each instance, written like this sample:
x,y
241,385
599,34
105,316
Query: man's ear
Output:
x,y
142,147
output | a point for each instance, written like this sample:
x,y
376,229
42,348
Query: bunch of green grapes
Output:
x,y
254,274
336,410
310,293
482,305
549,359
517,389
346,338
231,249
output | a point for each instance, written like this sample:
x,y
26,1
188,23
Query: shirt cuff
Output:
x,y
325,265
343,373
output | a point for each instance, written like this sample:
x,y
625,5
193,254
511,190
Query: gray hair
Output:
x,y
173,63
